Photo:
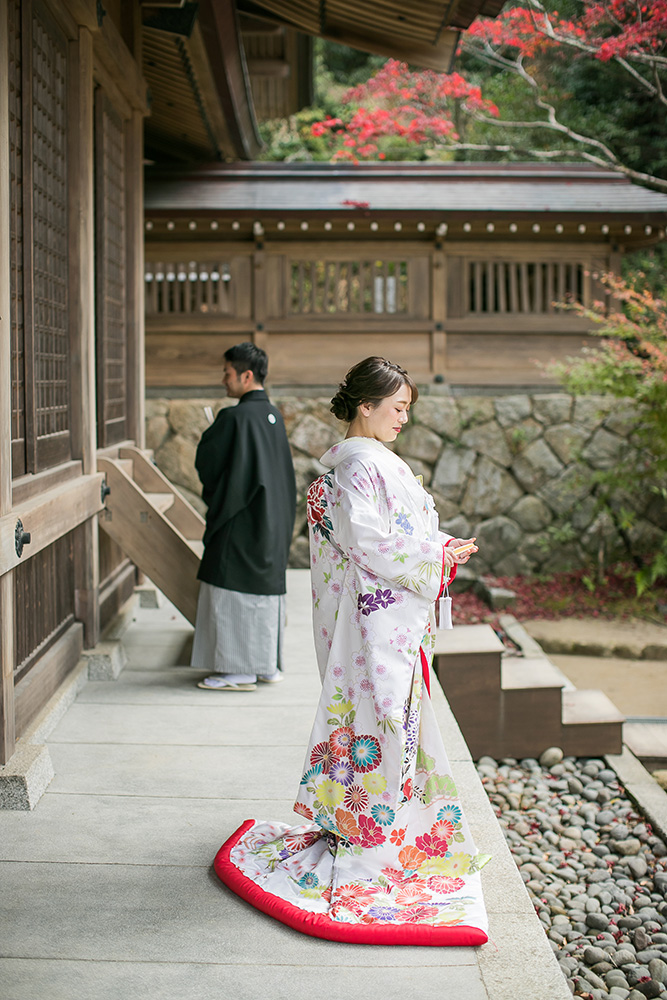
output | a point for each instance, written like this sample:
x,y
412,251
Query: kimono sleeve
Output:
x,y
366,533
214,454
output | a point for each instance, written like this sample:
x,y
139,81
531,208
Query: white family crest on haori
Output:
x,y
384,853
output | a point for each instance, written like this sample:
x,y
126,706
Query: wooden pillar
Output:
x,y
260,336
7,717
134,202
82,297
438,312
82,251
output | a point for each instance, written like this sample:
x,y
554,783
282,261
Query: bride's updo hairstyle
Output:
x,y
370,381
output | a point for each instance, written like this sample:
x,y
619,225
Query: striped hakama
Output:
x,y
238,633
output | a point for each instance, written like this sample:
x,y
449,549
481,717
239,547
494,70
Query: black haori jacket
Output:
x,y
245,465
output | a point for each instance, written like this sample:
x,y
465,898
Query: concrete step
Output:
x,y
161,501
591,724
646,737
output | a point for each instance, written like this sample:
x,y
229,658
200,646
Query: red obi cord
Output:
x,y
452,574
425,672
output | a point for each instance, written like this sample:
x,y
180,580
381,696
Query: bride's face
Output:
x,y
385,421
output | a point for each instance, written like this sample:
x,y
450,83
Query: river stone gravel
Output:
x,y
595,871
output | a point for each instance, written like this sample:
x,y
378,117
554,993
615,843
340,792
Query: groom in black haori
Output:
x,y
245,466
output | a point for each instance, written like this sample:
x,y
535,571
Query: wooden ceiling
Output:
x,y
212,66
210,72
424,32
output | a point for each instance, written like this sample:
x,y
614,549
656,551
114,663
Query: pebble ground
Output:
x,y
594,868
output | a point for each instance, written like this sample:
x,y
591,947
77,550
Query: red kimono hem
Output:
x,y
321,926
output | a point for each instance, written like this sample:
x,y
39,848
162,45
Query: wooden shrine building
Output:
x,y
455,270
87,91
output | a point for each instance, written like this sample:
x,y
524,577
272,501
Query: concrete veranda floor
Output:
x,y
107,886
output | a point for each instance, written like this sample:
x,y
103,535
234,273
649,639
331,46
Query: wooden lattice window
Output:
x,y
50,239
180,288
330,287
496,287
39,240
110,273
16,237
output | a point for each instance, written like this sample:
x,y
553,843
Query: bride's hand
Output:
x,y
463,558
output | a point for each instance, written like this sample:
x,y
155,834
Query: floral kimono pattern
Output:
x,y
384,842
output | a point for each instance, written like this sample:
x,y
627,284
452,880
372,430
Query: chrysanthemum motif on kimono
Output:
x,y
385,841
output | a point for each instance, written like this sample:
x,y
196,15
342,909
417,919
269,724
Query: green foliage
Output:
x,y
290,139
336,69
518,439
631,365
341,65
648,576
556,536
647,268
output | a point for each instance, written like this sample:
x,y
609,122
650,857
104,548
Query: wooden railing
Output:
x,y
330,287
523,287
181,288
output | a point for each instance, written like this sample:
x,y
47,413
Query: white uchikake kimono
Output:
x,y
385,840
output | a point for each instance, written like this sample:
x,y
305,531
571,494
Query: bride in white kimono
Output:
x,y
385,854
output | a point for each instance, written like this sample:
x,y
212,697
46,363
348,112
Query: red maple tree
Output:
x,y
421,107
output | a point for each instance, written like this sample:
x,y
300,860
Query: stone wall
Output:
x,y
517,471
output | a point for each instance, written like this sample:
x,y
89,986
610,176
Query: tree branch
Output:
x,y
608,157
546,28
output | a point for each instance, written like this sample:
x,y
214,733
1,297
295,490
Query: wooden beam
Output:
x,y
219,25
422,54
251,25
7,708
82,256
207,86
439,312
43,679
259,299
82,320
49,516
269,67
87,580
135,278
7,711
112,52
521,323
5,278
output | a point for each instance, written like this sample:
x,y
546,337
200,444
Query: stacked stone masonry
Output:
x,y
517,471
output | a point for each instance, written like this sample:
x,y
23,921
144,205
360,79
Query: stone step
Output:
x,y
467,639
591,724
467,664
530,672
127,465
646,737
530,706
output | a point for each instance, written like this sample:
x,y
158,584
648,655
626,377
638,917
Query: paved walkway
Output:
x,y
107,887
631,639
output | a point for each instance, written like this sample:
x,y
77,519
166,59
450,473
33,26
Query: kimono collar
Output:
x,y
355,447
254,396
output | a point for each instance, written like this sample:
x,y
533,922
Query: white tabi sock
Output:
x,y
238,678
